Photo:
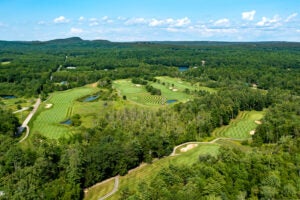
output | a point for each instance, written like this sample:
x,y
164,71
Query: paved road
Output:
x,y
28,118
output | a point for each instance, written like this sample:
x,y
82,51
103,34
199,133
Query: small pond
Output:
x,y
183,69
67,122
8,96
91,98
171,101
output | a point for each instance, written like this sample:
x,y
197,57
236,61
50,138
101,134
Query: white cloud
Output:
x,y
105,18
268,22
76,30
170,22
222,22
81,19
155,22
60,20
248,15
292,16
93,22
182,22
134,21
41,23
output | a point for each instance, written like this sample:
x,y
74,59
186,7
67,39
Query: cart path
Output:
x,y
116,178
28,118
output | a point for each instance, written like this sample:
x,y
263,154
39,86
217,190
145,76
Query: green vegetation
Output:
x,y
96,192
147,172
129,124
48,120
170,88
241,126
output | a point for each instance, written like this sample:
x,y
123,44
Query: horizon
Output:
x,y
103,39
134,21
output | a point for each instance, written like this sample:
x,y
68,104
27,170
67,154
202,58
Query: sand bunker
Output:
x,y
48,105
94,85
258,122
138,85
252,132
175,90
188,147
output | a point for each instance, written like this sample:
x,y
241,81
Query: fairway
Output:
x,y
241,126
147,172
182,85
171,89
48,120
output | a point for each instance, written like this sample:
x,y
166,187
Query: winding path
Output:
x,y
116,186
28,118
115,189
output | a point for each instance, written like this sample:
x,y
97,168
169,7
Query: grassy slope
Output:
x,y
12,104
241,126
148,171
97,192
139,94
48,120
181,85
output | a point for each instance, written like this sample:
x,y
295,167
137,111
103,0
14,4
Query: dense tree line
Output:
x,y
248,76
232,174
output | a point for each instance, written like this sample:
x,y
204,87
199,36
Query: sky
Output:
x,y
151,20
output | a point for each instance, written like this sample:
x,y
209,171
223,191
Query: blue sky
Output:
x,y
151,20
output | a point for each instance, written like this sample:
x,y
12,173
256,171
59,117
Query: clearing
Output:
x,y
240,127
48,120
173,89
148,171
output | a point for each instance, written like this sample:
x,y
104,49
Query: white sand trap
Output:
x,y
137,85
94,85
170,88
179,81
175,90
252,132
48,105
258,122
188,147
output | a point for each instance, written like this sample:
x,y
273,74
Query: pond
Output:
x,y
182,69
171,101
8,96
91,98
67,122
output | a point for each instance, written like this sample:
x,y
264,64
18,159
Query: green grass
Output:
x,y
5,63
171,88
182,85
48,120
241,126
98,191
148,171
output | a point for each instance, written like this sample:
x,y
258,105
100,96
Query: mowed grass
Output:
x,y
182,85
171,88
137,93
5,63
96,192
241,126
48,120
147,172
88,111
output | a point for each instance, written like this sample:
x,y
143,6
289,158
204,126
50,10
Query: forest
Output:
x,y
261,76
